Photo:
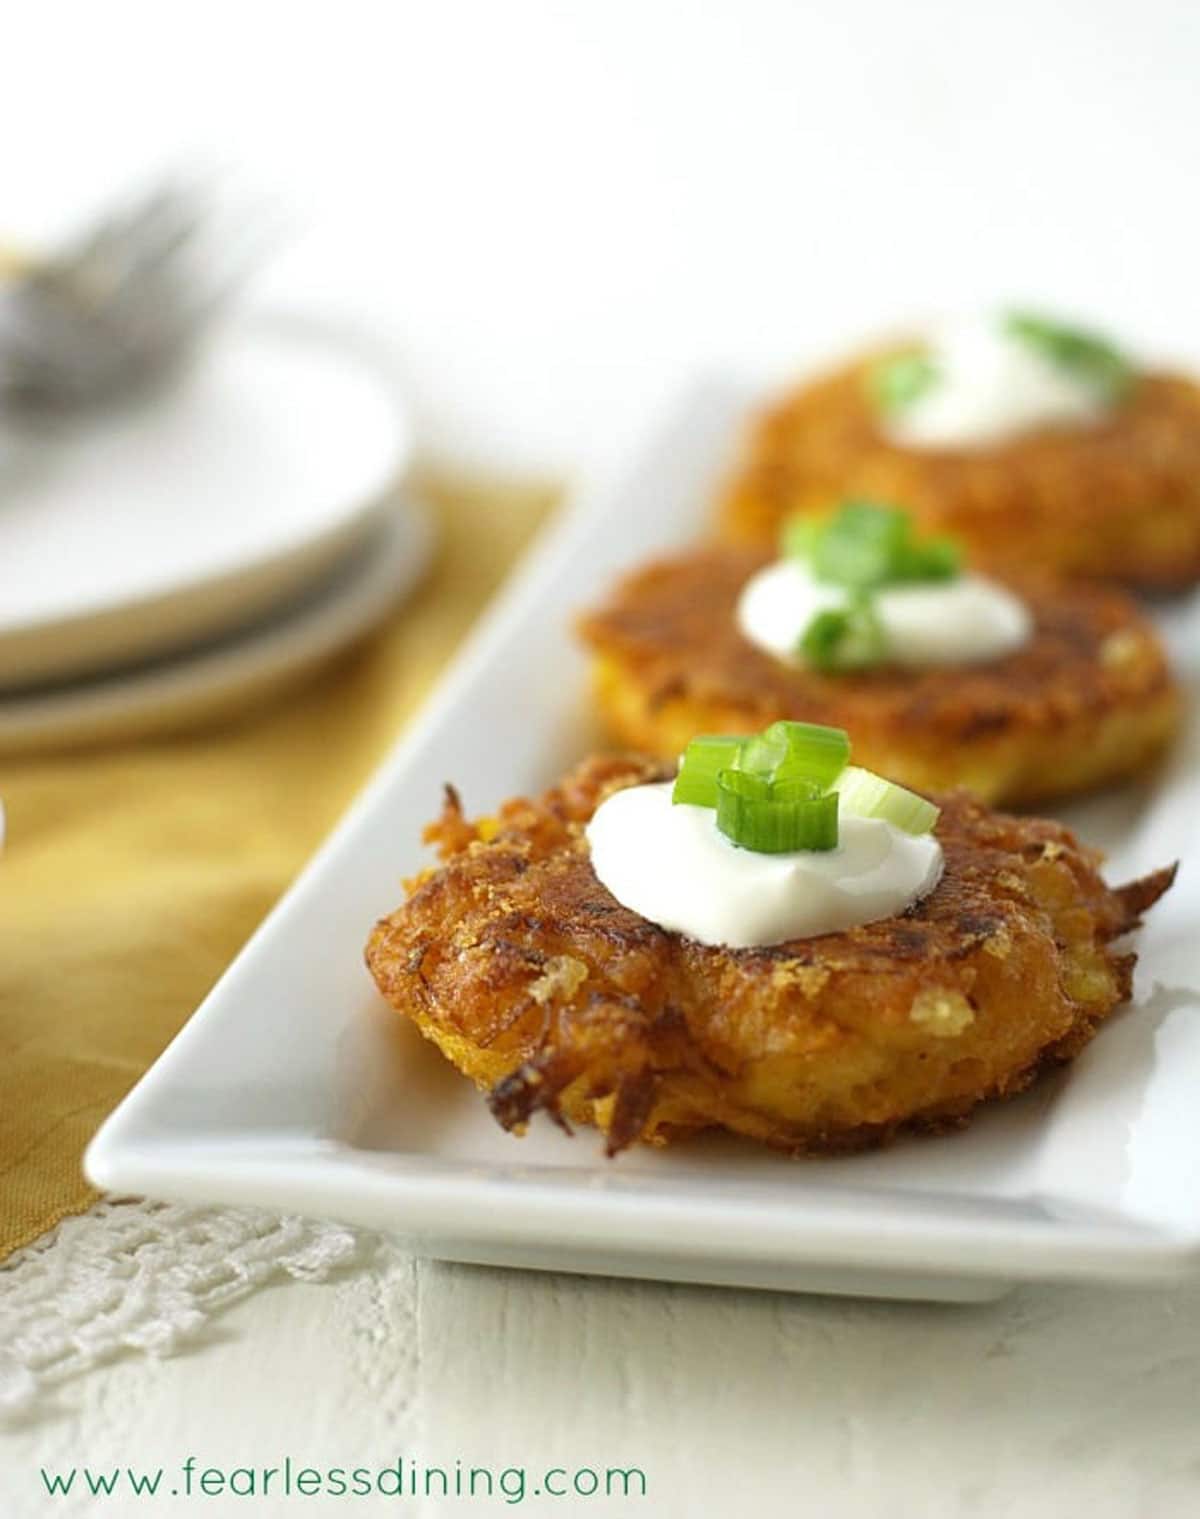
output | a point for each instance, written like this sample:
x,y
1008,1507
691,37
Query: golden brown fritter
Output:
x,y
540,986
1119,500
1089,699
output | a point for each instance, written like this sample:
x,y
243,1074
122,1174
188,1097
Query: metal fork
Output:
x,y
121,303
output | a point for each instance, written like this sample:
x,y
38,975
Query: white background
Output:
x,y
556,210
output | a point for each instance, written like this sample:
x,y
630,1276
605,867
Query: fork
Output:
x,y
120,304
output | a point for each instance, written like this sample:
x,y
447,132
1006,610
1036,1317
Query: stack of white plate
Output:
x,y
187,552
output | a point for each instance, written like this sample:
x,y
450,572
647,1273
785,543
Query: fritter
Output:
x,y
1119,500
1089,699
534,981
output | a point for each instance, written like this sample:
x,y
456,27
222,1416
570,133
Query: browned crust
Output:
x,y
1120,500
529,975
1088,699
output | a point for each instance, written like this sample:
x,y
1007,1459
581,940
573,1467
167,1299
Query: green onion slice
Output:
x,y
775,817
1092,358
867,795
797,751
861,546
844,638
932,559
897,382
866,545
799,536
703,759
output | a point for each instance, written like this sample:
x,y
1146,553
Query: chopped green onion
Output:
x,y
861,546
705,756
867,545
772,792
799,536
934,559
899,381
844,638
788,751
867,795
1092,358
775,817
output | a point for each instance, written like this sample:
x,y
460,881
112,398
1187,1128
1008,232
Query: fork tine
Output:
x,y
122,245
184,284
124,297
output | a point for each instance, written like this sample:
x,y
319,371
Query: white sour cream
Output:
x,y
992,386
675,867
940,622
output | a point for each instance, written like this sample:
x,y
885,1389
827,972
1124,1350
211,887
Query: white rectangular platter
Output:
x,y
295,1088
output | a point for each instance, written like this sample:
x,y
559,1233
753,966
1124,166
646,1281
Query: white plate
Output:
x,y
157,521
295,1088
229,675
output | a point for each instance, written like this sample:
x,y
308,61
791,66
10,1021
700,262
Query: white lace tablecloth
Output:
x,y
141,1334
143,1276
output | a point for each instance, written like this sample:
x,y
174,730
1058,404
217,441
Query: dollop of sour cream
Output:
x,y
941,622
991,386
673,866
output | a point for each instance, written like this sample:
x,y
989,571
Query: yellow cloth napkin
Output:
x,y
133,874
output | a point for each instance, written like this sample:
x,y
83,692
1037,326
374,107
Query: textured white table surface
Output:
x,y
1050,1402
